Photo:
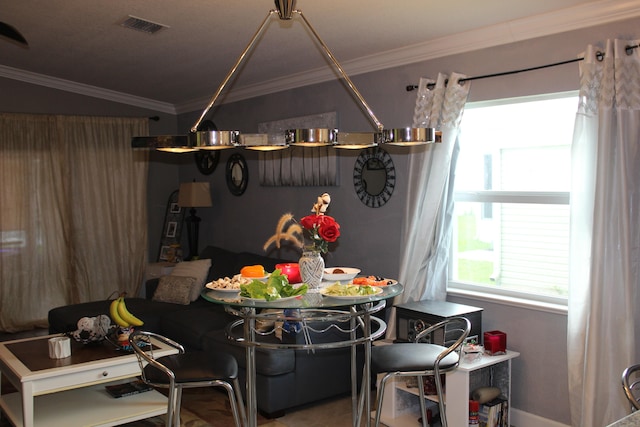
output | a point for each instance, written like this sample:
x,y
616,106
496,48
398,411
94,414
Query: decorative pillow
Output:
x,y
198,269
175,289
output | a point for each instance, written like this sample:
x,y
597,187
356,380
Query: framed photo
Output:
x,y
165,253
171,229
175,208
169,247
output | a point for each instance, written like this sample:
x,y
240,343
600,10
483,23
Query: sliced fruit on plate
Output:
x,y
253,271
372,281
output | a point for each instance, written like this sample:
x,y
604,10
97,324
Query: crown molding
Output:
x,y
582,16
84,89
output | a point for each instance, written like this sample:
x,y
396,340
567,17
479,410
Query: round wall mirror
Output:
x,y
237,174
206,161
374,177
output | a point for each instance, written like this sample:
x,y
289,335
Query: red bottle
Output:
x,y
474,417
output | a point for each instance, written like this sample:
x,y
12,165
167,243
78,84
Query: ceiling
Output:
x,y
81,46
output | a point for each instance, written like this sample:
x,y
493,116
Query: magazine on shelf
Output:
x,y
128,388
494,413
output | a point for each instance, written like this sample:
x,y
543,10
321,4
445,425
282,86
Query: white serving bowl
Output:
x,y
349,273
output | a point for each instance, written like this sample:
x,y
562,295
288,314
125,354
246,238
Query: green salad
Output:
x,y
340,290
277,286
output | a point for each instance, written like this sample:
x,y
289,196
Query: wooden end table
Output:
x,y
70,391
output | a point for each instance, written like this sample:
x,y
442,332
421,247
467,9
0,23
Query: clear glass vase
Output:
x,y
311,269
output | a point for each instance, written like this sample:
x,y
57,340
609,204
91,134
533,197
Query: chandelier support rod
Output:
x,y
353,88
238,62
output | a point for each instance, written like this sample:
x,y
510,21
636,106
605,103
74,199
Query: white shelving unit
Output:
x,y
402,407
88,406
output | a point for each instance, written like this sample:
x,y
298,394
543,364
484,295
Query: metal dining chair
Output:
x,y
420,359
631,386
187,370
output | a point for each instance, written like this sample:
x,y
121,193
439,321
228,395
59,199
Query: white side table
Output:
x,y
402,407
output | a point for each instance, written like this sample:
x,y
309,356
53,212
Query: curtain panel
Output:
x,y
72,213
427,218
605,234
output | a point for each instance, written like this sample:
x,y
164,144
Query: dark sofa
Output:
x,y
285,378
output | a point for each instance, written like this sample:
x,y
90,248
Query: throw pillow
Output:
x,y
199,269
174,289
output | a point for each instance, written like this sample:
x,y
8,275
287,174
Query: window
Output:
x,y
512,182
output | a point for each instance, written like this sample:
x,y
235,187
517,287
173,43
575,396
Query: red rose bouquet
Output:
x,y
321,229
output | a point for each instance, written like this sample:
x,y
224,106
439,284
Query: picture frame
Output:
x,y
171,229
169,247
165,253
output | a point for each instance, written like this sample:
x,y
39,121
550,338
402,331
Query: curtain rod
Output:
x,y
599,57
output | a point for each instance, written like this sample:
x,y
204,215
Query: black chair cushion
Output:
x,y
410,357
194,366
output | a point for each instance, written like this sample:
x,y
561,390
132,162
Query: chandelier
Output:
x,y
203,137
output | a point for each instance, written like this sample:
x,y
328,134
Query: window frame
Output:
x,y
550,303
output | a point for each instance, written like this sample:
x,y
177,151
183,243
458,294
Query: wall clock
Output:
x,y
237,174
206,161
374,177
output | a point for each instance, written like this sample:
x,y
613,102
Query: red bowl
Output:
x,y
291,270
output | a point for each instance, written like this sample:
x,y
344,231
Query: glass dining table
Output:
x,y
306,316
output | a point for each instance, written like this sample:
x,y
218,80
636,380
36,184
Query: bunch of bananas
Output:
x,y
121,315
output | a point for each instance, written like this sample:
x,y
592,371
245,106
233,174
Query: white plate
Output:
x,y
377,290
225,290
275,300
257,278
349,273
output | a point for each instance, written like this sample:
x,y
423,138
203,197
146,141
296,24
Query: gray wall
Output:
x,y
371,237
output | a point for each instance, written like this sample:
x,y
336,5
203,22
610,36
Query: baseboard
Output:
x,y
525,419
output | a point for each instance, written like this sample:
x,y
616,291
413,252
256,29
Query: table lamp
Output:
x,y
194,195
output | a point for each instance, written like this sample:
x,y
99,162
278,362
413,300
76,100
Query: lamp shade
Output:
x,y
194,195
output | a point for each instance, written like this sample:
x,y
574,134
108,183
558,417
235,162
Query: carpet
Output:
x,y
201,407
209,407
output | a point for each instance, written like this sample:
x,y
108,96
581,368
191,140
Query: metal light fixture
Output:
x,y
357,140
408,136
214,139
260,142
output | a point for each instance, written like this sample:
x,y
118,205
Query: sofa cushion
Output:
x,y
175,289
198,269
223,262
65,318
189,326
269,362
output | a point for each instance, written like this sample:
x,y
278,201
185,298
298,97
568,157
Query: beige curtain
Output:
x,y
72,213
